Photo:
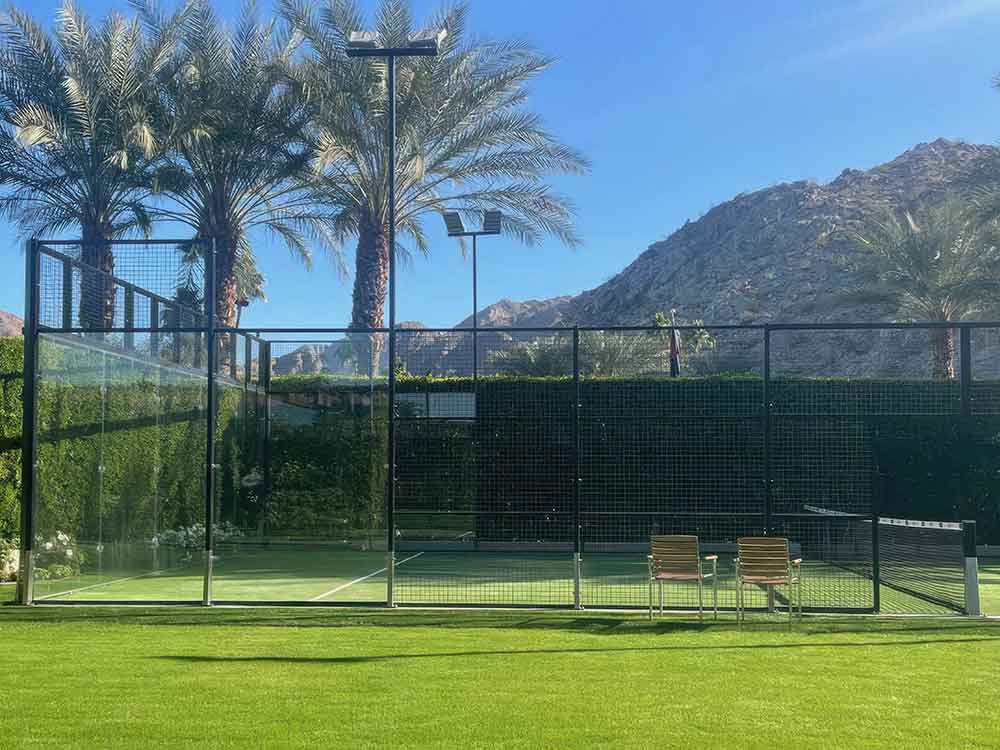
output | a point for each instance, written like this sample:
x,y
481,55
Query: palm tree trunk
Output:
x,y
371,275
225,280
97,291
943,340
225,295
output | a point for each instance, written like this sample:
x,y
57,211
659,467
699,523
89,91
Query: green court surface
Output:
x,y
338,573
158,677
989,585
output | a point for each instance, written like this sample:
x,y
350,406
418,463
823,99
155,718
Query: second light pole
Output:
x,y
368,44
491,225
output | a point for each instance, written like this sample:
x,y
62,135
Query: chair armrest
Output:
x,y
711,557
797,561
649,557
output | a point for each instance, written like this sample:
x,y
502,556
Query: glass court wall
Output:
x,y
178,460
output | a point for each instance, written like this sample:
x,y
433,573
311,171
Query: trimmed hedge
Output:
x,y
11,372
655,444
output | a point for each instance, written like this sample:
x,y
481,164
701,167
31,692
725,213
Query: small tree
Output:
x,y
938,263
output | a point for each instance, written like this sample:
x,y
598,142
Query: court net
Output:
x,y
922,559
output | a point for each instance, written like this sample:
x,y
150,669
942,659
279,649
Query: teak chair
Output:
x,y
676,557
764,561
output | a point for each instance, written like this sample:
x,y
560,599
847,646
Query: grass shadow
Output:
x,y
363,659
597,623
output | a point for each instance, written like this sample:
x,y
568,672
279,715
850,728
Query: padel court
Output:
x,y
175,461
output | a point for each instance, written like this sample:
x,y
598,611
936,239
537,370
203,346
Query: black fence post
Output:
x,y
209,418
577,479
29,443
154,325
965,365
390,494
264,380
129,318
247,357
876,513
67,294
766,426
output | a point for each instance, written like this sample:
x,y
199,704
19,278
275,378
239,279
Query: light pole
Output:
x,y
368,44
491,225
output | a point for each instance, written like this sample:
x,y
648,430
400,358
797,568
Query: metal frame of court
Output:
x,y
137,302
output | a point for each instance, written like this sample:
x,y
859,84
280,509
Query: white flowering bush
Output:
x,y
57,556
193,537
9,557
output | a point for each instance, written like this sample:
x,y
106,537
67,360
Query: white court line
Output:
x,y
70,592
343,586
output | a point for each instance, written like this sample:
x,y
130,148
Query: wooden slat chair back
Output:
x,y
765,561
677,557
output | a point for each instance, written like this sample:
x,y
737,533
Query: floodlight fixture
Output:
x,y
453,222
456,227
491,222
422,44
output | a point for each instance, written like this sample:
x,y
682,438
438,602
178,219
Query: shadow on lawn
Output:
x,y
596,623
551,651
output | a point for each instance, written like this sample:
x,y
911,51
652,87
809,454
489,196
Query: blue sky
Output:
x,y
679,106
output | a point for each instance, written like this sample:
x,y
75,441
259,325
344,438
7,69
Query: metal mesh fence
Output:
x,y
531,466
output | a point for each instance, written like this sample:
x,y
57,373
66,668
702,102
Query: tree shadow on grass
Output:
x,y
200,659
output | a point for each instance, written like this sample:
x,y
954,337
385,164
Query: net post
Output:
x,y
209,418
577,479
29,443
972,605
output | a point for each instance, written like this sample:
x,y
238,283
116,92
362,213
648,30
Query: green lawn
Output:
x,y
239,678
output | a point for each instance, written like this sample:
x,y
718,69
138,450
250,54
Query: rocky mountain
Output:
x,y
781,254
533,312
10,324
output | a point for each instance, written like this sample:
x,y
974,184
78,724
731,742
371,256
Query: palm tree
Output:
x,y
464,139
934,264
236,155
77,144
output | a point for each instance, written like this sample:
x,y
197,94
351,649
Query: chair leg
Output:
x,y
701,589
715,596
739,602
788,589
661,598
651,599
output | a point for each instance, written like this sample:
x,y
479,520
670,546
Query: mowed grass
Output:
x,y
238,678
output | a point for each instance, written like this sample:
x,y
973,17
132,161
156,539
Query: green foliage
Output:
x,y
77,146
11,370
